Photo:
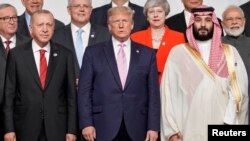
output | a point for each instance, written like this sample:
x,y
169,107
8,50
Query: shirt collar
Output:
x,y
36,47
27,18
116,42
125,4
85,28
12,39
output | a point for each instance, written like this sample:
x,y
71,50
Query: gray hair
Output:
x,y
232,7
121,9
5,5
155,3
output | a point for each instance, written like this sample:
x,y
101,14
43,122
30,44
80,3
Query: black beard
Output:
x,y
199,37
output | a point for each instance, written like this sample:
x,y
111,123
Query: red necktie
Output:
x,y
43,67
7,46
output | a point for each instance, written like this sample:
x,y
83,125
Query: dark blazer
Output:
x,y
241,43
24,29
3,57
99,16
103,103
178,23
27,105
246,9
64,36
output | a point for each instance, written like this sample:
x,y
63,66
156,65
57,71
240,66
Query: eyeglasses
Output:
x,y
7,18
79,6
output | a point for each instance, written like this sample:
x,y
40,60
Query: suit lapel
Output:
x,y
28,56
2,49
53,61
182,20
22,26
135,52
69,37
92,35
109,52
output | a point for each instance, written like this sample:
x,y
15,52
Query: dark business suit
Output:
x,y
246,9
28,108
99,16
103,103
64,36
178,23
24,29
3,57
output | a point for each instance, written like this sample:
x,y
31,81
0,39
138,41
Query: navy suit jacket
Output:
x,y
103,103
99,16
23,28
246,8
64,37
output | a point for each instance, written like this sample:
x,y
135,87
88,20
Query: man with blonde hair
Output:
x,y
118,94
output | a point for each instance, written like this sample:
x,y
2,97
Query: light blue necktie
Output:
x,y
79,47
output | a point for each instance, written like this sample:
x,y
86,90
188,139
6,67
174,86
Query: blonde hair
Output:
x,y
120,9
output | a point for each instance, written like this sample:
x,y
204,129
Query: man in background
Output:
x,y
31,6
79,34
99,15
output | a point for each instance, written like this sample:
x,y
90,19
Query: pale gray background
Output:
x,y
59,7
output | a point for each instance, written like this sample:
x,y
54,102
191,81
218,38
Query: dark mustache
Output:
x,y
203,28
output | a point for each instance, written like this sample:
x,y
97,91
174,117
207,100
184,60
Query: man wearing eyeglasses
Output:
x,y
8,40
80,29
24,20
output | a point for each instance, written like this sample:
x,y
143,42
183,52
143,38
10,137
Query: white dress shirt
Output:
x,y
12,39
127,49
36,50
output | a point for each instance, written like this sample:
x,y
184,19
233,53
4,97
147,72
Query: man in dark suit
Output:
x,y
246,9
118,94
99,15
8,40
80,11
180,21
40,99
24,20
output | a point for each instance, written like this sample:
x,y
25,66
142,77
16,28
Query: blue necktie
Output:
x,y
79,47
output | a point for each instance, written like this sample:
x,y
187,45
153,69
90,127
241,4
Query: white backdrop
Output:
x,y
59,7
